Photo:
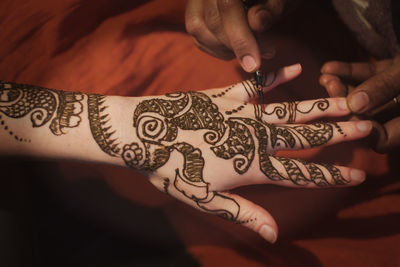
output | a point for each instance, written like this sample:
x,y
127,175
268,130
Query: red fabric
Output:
x,y
140,48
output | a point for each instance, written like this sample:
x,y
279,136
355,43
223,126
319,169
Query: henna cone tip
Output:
x,y
268,233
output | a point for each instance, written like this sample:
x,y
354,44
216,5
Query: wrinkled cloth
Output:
x,y
372,22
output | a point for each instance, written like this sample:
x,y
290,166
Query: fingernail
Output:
x,y
364,126
249,63
294,68
268,233
357,175
359,101
342,104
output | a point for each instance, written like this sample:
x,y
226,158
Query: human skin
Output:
x,y
224,29
373,91
194,146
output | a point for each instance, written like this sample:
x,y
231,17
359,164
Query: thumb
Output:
x,y
253,217
375,91
223,204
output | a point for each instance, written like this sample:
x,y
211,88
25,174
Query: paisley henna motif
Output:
x,y
20,100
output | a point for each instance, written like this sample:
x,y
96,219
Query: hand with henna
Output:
x,y
225,29
194,146
373,92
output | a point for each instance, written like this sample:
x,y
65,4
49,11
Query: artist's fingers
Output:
x,y
356,72
228,206
246,90
334,86
203,37
294,172
304,136
239,36
387,136
376,91
302,111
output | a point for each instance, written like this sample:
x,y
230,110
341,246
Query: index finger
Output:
x,y
357,71
375,91
240,36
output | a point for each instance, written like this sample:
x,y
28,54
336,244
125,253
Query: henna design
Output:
x,y
269,165
158,121
133,155
250,88
339,129
316,134
245,221
236,109
19,100
166,184
291,109
239,145
68,112
99,127
223,92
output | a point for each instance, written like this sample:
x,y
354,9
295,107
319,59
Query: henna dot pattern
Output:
x,y
339,129
246,221
223,92
235,110
11,133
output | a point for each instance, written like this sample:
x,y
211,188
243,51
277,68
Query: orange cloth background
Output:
x,y
141,48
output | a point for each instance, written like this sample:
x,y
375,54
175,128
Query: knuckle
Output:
x,y
194,25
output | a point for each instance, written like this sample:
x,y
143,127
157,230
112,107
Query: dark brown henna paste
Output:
x,y
19,100
290,110
223,92
99,126
68,112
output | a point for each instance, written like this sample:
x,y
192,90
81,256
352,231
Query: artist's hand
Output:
x,y
198,145
372,90
224,29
